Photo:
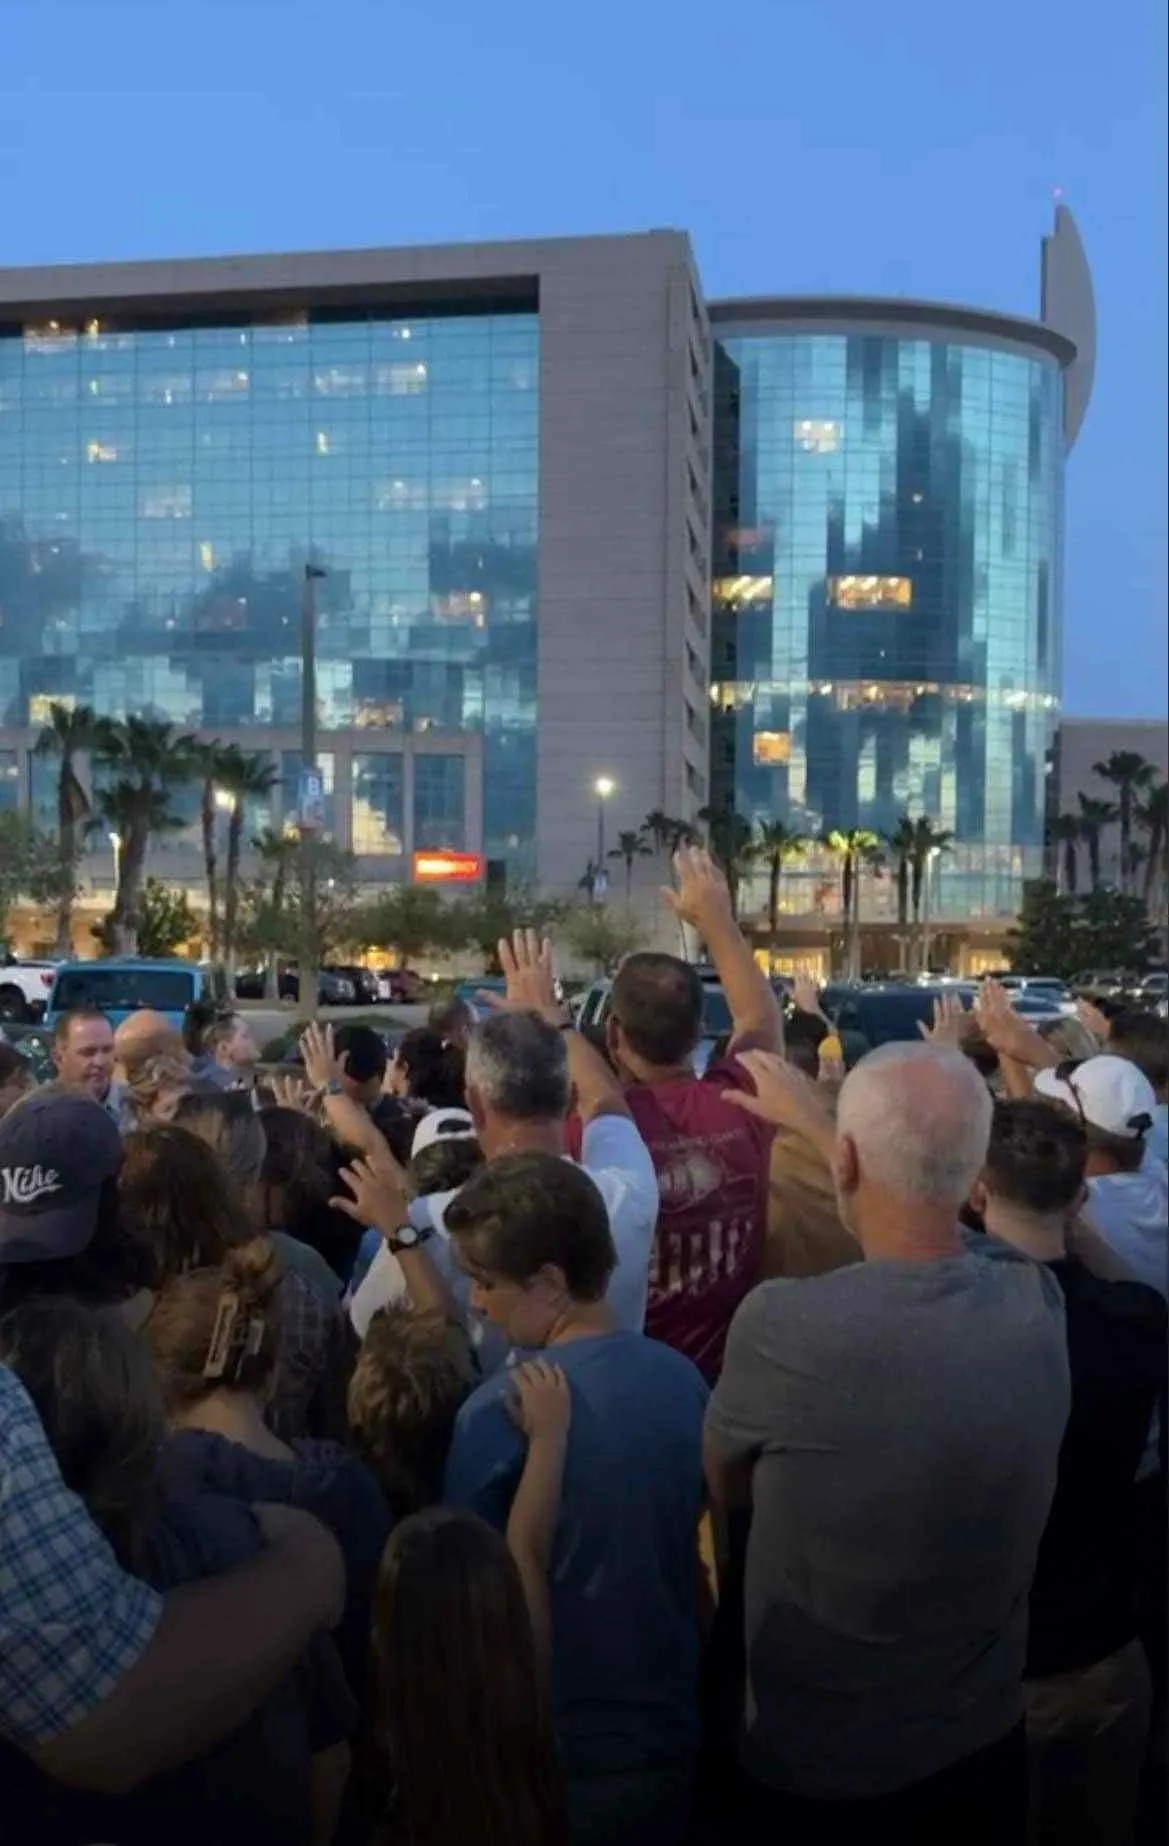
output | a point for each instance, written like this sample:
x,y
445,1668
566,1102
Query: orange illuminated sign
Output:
x,y
461,868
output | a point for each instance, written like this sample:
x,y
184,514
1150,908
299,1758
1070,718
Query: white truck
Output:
x,y
24,988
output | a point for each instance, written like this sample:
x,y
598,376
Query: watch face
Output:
x,y
406,1237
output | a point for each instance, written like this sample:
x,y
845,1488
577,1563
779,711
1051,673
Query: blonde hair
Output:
x,y
146,1081
218,1328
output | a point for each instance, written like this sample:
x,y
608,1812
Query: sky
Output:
x,y
807,145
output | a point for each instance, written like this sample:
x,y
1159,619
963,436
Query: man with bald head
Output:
x,y
895,1426
145,1034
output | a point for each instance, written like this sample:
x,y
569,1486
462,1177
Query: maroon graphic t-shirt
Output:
x,y
712,1163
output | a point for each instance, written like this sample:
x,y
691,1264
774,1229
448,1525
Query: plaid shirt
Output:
x,y
71,1622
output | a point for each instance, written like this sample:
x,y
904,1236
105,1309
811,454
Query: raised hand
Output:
x,y
701,889
1003,1029
526,960
951,1025
542,1404
292,1092
1093,1020
378,1191
806,996
322,1066
783,1095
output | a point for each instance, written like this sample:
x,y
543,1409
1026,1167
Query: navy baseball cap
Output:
x,y
56,1154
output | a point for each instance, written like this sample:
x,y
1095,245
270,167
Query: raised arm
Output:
x,y
349,1122
526,961
379,1197
703,900
542,1407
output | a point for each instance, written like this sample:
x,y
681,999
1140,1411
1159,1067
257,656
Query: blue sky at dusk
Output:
x,y
807,145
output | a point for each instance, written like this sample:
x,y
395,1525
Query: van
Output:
x,y
121,986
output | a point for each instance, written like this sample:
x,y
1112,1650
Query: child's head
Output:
x,y
412,1376
454,1657
218,1329
95,1392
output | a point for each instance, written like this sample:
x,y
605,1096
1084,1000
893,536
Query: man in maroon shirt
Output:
x,y
711,1159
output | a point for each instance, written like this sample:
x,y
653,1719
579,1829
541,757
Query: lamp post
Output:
x,y
309,818
603,787
116,843
926,901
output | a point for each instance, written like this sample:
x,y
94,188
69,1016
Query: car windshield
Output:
x,y
120,990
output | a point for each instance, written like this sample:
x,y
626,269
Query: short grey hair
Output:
x,y
518,1063
919,1117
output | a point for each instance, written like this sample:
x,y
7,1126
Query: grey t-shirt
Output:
x,y
905,1420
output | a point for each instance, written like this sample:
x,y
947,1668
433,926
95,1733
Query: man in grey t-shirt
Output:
x,y
896,1426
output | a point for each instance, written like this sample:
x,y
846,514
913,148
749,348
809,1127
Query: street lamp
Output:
x,y
116,843
225,801
309,816
934,854
603,787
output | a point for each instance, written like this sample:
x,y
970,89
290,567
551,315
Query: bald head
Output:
x,y
145,1034
913,1122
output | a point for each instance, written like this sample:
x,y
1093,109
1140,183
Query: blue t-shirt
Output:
x,y
624,1574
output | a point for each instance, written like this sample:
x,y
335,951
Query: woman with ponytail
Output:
x,y
215,1337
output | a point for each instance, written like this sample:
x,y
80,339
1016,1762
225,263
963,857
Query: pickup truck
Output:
x,y
24,988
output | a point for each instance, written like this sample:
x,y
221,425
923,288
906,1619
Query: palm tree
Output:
x,y
775,845
277,851
1130,774
209,759
1067,831
630,846
244,777
900,844
660,828
147,762
1152,816
70,732
1094,817
732,846
857,847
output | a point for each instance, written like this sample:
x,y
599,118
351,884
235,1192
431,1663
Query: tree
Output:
x,y
1061,935
207,760
245,777
408,918
166,920
269,910
1152,816
148,762
1130,774
630,847
69,733
667,833
482,922
856,848
602,933
276,852
1067,831
900,844
732,845
30,865
1094,817
776,844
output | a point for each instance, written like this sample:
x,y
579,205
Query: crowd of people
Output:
x,y
521,1438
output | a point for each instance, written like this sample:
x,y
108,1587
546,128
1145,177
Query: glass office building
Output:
x,y
163,481
886,595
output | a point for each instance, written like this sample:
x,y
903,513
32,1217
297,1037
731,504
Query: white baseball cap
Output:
x,y
1110,1094
441,1125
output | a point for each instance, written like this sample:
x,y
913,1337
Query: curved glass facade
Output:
x,y
888,537
162,484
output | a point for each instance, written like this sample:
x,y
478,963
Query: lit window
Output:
x,y
206,556
100,452
742,591
323,442
40,704
816,435
399,379
771,747
870,592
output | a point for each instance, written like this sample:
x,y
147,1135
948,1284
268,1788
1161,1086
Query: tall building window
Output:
x,y
378,803
9,781
290,761
439,802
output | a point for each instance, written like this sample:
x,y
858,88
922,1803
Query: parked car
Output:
x,y
890,1012
24,988
33,1043
1045,987
1148,991
332,989
364,982
119,986
399,986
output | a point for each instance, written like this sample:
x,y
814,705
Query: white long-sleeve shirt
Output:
x,y
617,1160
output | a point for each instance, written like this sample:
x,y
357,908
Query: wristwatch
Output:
x,y
409,1237
333,1087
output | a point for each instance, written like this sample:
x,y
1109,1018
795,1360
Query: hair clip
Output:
x,y
219,1349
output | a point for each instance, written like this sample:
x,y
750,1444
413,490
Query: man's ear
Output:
x,y
475,1108
846,1166
979,1198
